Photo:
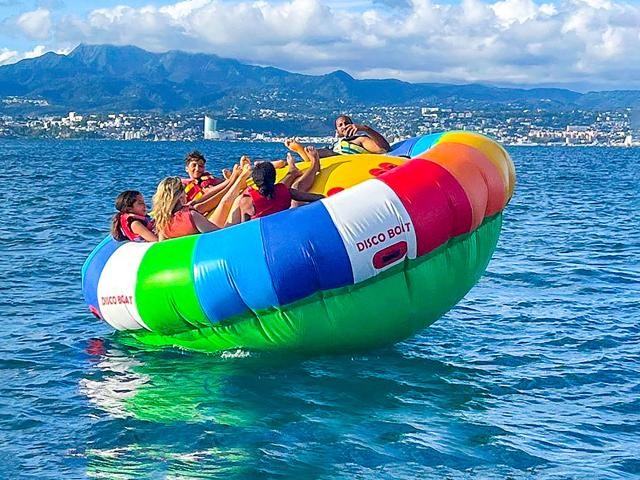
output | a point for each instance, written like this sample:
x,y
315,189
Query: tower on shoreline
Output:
x,y
210,128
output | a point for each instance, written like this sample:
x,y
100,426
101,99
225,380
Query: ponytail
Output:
x,y
116,231
267,191
264,176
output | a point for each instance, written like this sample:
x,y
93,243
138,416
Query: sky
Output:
x,y
578,44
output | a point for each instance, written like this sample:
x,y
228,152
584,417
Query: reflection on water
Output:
x,y
169,386
247,414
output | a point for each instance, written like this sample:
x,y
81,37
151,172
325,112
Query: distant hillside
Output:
x,y
109,78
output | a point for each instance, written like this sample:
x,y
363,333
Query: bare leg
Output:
x,y
305,182
208,205
291,163
234,215
276,163
293,174
220,214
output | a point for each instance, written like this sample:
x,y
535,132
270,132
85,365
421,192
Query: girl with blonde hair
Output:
x,y
175,218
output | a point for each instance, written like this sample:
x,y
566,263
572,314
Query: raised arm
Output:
x,y
210,192
210,200
374,142
221,212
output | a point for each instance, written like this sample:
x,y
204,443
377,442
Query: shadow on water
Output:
x,y
248,414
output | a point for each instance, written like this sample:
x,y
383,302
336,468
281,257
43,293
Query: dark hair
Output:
x,y
123,203
346,117
264,176
194,156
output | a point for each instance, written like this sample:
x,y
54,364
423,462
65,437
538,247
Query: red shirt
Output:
x,y
266,206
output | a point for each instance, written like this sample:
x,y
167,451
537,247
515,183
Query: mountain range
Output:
x,y
104,78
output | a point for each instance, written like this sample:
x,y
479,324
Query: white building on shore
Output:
x,y
211,131
210,127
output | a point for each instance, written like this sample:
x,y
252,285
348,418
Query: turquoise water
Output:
x,y
535,374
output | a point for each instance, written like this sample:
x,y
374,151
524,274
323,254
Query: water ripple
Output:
x,y
535,374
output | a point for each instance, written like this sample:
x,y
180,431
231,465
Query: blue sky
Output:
x,y
579,44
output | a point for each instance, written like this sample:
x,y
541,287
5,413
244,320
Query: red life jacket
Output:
x,y
126,219
194,188
266,206
181,224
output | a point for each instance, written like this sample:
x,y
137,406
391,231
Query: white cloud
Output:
x,y
36,52
563,42
183,9
36,24
8,56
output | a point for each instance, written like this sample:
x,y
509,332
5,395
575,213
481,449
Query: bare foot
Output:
x,y
314,157
278,163
245,161
293,145
226,173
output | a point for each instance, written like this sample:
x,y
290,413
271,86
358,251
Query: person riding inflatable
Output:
x,y
269,197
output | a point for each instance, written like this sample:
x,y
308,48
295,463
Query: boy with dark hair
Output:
x,y
200,182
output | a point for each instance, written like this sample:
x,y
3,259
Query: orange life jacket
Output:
x,y
194,188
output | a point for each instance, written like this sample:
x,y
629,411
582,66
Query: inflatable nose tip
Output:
x,y
95,312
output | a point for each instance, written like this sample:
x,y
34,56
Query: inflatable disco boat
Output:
x,y
398,241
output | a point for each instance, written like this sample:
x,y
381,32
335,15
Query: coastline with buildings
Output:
x,y
509,126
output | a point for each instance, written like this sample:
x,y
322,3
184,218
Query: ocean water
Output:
x,y
535,374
